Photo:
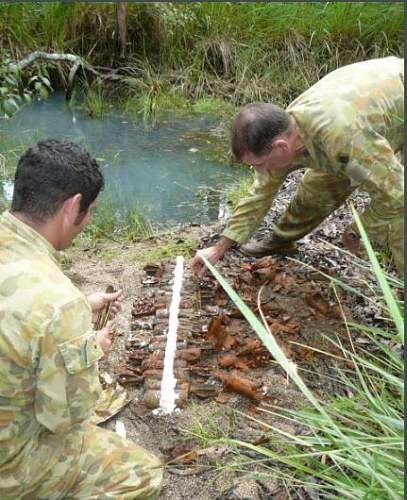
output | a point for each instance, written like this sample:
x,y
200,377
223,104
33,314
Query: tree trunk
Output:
x,y
122,27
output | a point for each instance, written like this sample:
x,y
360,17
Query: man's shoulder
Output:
x,y
36,283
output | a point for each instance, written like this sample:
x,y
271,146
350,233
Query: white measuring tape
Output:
x,y
168,382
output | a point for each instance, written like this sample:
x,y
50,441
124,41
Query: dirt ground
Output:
x,y
302,311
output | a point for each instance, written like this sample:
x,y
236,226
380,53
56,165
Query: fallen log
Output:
x,y
77,62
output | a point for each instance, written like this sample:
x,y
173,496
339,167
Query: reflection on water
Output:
x,y
168,173
6,190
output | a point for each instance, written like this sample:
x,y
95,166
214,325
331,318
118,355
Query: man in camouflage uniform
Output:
x,y
49,351
346,130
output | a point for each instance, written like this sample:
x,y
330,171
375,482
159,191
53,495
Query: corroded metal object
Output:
x,y
216,348
103,316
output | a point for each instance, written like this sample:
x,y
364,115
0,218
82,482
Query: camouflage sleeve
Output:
x,y
67,383
250,210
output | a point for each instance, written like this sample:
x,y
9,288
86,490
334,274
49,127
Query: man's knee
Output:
x,y
118,468
153,470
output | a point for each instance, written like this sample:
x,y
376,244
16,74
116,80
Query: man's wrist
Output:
x,y
224,244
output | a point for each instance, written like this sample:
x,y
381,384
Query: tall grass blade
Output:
x,y
387,293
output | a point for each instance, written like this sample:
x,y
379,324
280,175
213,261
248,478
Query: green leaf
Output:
x,y
11,81
46,82
10,106
12,102
41,89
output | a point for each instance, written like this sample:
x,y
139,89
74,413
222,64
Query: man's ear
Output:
x,y
280,144
71,208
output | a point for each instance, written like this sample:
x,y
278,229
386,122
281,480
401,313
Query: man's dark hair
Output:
x,y
256,126
49,173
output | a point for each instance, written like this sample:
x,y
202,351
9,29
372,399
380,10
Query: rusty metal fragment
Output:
x,y
234,382
214,341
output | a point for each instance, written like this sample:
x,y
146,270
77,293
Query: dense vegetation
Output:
x,y
173,55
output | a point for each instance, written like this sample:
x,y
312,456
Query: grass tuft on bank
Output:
x,y
110,222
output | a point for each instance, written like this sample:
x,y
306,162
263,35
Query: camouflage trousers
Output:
x,y
319,194
86,463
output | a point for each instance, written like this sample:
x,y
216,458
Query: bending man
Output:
x,y
345,130
49,351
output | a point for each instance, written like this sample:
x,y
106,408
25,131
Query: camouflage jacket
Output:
x,y
351,123
48,350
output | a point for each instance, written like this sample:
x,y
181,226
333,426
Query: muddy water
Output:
x,y
167,171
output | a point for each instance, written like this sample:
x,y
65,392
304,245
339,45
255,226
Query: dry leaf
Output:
x,y
286,348
232,361
317,302
264,274
286,281
290,327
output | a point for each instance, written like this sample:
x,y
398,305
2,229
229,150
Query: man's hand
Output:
x,y
213,254
105,338
98,301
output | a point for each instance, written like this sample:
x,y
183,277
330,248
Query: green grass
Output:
x,y
352,446
207,56
207,425
57,25
214,106
169,246
95,101
151,107
136,226
108,221
239,191
12,147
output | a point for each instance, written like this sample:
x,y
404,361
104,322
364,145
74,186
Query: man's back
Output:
x,y
34,295
355,113
364,95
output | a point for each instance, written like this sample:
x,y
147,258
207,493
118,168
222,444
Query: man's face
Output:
x,y
277,159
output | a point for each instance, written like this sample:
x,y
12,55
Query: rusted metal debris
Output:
x,y
216,348
103,315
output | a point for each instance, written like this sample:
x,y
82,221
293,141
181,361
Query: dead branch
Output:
x,y
77,62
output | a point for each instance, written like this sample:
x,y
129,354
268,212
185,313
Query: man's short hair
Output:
x,y
50,172
255,126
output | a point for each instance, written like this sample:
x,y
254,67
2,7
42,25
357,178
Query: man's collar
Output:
x,y
29,234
